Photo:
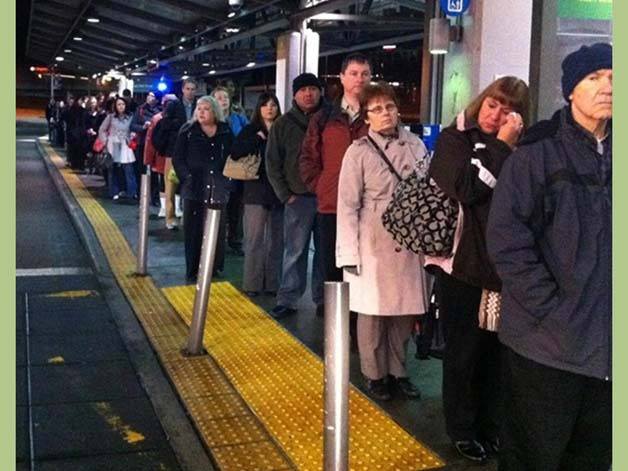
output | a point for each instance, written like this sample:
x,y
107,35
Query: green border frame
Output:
x,y
7,240
620,235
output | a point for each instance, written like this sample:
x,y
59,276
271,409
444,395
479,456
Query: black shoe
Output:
x,y
190,280
252,294
279,311
471,450
406,388
378,389
320,310
270,293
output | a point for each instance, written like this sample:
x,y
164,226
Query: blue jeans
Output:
x,y
115,175
299,226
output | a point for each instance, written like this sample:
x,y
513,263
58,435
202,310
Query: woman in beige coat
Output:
x,y
387,282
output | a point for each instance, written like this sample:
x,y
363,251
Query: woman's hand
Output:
x,y
511,130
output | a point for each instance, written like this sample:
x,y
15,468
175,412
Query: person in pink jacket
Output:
x,y
387,282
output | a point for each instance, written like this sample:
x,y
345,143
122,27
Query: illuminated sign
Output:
x,y
586,9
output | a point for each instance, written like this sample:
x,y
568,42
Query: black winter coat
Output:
x,y
199,160
549,234
465,165
260,191
167,129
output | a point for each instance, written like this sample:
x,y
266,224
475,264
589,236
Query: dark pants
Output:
x,y
193,227
471,365
234,216
327,240
76,155
554,420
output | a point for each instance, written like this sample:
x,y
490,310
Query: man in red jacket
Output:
x,y
330,133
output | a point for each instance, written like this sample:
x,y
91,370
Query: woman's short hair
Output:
x,y
220,88
213,104
377,90
509,91
264,98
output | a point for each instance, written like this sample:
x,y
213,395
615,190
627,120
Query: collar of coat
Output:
x,y
570,129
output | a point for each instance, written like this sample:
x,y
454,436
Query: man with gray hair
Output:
x,y
549,235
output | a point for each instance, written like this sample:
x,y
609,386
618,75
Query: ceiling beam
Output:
x,y
200,10
99,47
262,29
56,17
79,17
141,15
371,28
87,49
132,30
323,7
101,35
366,19
42,23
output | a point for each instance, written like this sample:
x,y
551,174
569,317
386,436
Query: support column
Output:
x,y
492,46
296,53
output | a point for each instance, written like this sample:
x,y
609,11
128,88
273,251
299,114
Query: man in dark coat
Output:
x,y
549,235
283,153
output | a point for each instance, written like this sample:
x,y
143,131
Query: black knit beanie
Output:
x,y
305,80
582,62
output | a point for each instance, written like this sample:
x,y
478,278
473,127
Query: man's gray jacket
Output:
x,y
549,235
282,153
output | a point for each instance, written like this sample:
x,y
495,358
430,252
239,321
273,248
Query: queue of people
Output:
x,y
533,231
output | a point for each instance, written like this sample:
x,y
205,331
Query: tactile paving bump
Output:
x,y
282,381
236,439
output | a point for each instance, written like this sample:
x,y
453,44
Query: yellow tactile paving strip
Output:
x,y
233,434
287,388
285,392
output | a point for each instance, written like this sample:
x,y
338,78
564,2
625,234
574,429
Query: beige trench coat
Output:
x,y
391,279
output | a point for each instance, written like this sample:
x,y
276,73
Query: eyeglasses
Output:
x,y
391,108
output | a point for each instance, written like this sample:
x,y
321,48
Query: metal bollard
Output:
x,y
336,392
203,285
142,244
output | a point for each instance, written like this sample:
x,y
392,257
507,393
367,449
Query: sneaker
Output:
x,y
252,294
178,212
378,389
279,311
471,450
406,388
172,226
116,197
162,213
492,445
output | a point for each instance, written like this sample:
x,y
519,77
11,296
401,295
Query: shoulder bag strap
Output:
x,y
384,158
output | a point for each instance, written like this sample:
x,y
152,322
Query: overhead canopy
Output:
x,y
196,37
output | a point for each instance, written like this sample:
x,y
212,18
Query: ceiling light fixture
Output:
x,y
67,51
59,58
93,20
231,14
77,38
389,47
212,72
251,64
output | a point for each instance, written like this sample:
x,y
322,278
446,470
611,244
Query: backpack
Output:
x,y
159,139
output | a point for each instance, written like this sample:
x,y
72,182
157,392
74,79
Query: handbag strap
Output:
x,y
384,158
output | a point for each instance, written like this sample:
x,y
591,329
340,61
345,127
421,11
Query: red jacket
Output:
x,y
328,136
151,156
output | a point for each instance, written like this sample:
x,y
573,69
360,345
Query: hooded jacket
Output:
x,y
466,166
549,234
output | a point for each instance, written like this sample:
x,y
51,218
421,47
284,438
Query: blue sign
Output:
x,y
454,7
430,134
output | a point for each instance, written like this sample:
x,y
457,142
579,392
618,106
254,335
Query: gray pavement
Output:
x,y
90,394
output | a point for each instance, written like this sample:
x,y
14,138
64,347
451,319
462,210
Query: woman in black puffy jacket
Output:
x,y
199,157
263,212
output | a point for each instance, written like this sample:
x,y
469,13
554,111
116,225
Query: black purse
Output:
x,y
420,217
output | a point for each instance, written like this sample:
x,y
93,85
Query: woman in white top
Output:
x,y
115,131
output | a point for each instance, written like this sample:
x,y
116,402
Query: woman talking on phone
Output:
x,y
466,164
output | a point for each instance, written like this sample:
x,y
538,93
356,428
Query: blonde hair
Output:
x,y
213,104
510,91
